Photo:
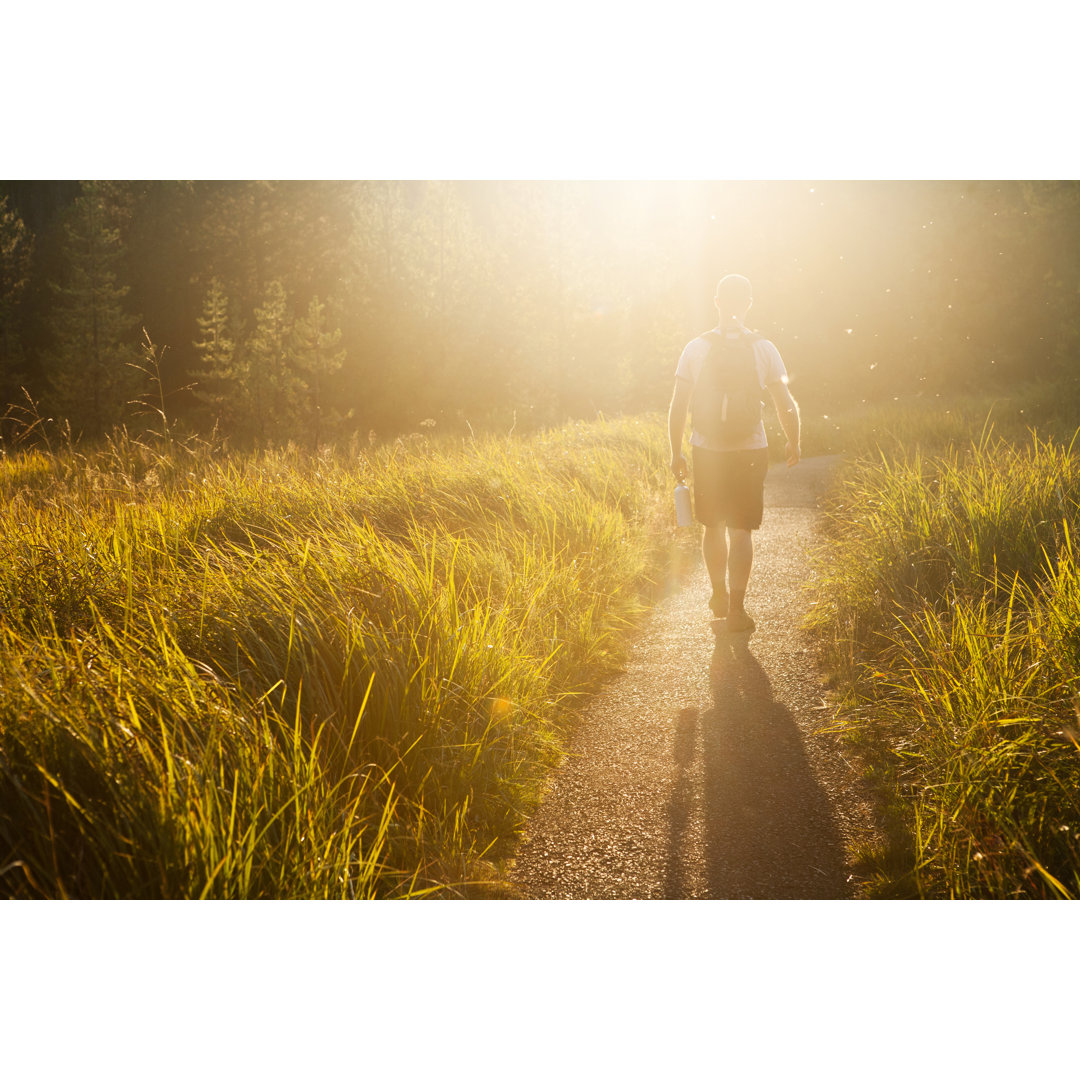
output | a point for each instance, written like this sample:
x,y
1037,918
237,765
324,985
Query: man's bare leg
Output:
x,y
714,548
740,561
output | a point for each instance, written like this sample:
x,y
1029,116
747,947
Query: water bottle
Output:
x,y
684,514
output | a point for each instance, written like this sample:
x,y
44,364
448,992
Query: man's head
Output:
x,y
733,296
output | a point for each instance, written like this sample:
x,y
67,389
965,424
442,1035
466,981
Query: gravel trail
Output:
x,y
699,771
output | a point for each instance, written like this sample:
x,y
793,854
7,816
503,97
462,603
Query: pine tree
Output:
x,y
16,246
223,373
94,338
276,390
317,357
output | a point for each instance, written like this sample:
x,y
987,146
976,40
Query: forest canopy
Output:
x,y
310,310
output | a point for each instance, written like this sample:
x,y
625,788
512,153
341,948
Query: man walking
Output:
x,y
729,462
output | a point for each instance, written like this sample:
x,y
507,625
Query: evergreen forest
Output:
x,y
269,312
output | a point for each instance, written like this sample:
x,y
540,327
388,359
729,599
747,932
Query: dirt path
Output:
x,y
697,773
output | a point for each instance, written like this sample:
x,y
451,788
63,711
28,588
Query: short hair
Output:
x,y
733,293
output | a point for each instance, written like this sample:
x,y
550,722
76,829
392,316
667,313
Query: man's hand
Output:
x,y
680,401
787,412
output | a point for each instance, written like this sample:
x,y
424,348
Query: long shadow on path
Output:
x,y
768,829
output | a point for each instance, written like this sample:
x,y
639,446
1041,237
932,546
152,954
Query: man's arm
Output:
x,y
676,422
788,412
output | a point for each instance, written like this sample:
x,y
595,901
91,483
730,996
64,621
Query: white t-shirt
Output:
x,y
770,369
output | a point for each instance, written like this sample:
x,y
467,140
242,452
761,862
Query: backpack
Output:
x,y
726,405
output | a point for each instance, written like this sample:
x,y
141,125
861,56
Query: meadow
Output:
x,y
287,675
281,674
948,603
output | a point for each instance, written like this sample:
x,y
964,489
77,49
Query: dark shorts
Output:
x,y
729,487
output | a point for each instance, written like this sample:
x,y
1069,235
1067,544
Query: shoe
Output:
x,y
718,604
738,622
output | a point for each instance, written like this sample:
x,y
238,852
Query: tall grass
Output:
x,y
950,603
277,675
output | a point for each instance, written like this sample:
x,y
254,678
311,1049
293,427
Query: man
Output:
x,y
729,475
